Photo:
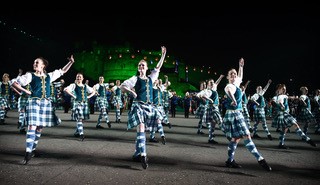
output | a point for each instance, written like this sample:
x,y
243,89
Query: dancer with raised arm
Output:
x,y
143,113
234,123
283,119
39,109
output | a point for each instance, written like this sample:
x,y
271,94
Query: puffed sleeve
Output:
x,y
89,89
70,87
25,79
54,75
130,82
154,74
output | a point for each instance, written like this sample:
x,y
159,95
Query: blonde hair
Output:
x,y
5,75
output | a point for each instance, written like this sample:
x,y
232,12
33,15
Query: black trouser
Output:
x,y
186,112
66,107
173,111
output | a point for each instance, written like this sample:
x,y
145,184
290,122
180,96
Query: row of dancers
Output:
x,y
147,110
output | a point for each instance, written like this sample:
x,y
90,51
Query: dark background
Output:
x,y
278,43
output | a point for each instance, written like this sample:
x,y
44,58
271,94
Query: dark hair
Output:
x,y
279,86
45,62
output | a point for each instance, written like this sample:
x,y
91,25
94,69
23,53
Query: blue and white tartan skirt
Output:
x,y
143,113
234,124
40,112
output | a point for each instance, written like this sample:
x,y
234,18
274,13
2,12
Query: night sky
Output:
x,y
279,44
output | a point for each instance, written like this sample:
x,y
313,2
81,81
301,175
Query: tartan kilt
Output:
x,y
200,111
306,116
2,108
283,120
160,110
22,103
2,113
166,105
316,114
53,99
234,124
212,113
166,109
117,100
143,113
102,103
245,113
2,102
259,115
163,113
80,110
40,112
5,102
